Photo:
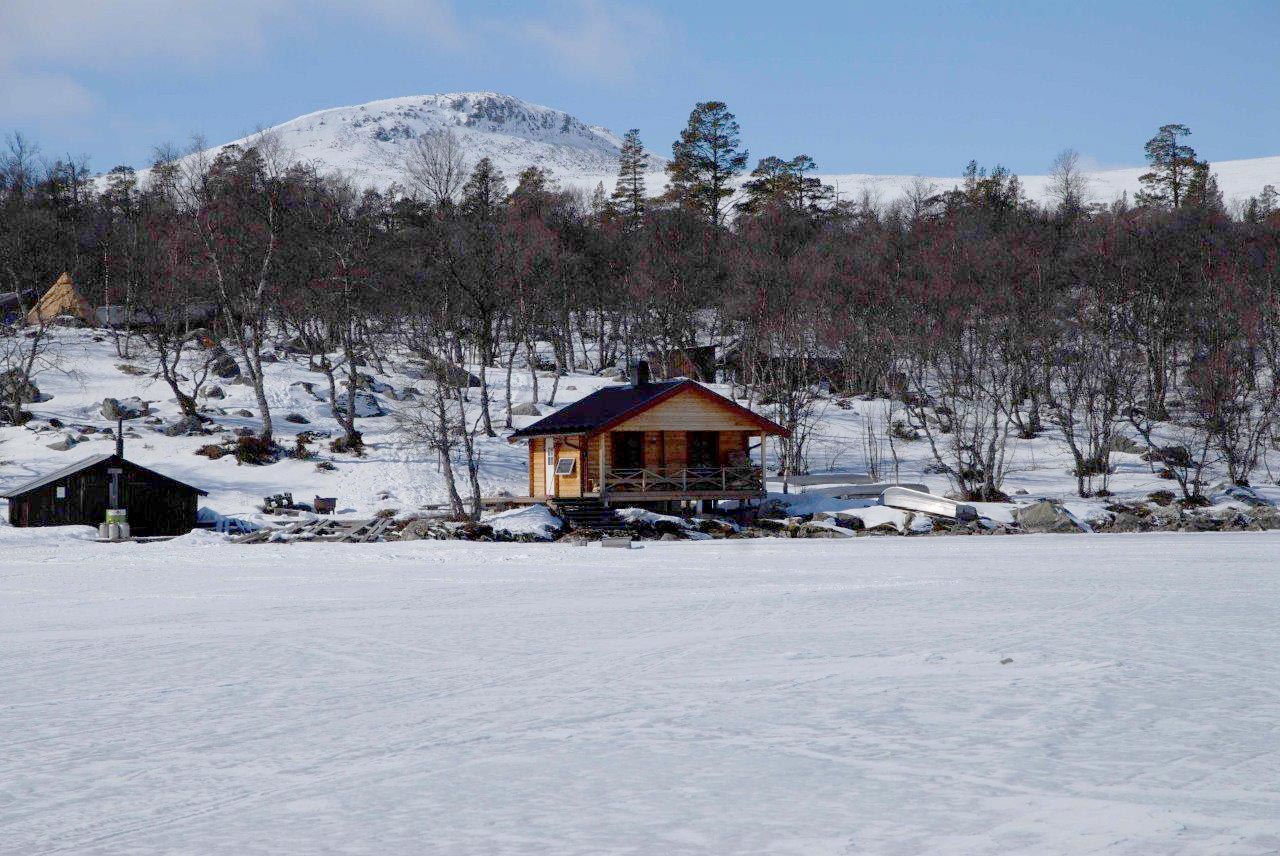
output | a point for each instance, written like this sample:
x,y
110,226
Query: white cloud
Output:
x,y
595,38
41,96
51,51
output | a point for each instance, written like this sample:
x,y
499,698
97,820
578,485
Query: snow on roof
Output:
x,y
69,469
79,466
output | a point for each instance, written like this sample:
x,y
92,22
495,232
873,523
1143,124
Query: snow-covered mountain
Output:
x,y
370,141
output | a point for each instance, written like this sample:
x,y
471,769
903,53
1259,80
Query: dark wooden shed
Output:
x,y
81,493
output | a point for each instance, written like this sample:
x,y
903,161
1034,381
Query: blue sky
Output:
x,y
901,87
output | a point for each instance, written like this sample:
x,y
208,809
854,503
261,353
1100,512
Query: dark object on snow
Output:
x,y
296,419
277,502
81,493
325,504
223,364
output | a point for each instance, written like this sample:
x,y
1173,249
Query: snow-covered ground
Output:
x,y
397,474
1037,694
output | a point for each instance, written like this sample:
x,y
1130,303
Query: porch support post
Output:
x,y
763,460
604,496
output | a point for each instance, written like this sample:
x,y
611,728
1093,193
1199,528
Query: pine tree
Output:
x,y
485,190
1202,189
779,182
1260,208
705,160
1174,170
629,194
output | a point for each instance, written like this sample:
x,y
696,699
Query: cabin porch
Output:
x,y
648,466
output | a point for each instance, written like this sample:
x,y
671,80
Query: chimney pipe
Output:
x,y
641,376
120,437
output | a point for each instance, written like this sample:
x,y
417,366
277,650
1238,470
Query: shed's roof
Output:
x,y
614,404
80,466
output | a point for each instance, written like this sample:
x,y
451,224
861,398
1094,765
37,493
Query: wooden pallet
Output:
x,y
341,531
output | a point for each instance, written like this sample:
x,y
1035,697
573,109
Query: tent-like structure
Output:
x,y
62,298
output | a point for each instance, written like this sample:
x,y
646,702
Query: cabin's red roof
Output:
x,y
612,405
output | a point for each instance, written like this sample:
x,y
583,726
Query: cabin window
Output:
x,y
628,450
549,446
564,466
61,492
704,449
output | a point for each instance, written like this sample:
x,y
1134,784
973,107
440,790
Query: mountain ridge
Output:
x,y
369,142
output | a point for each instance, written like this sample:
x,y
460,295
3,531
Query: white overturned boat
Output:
x,y
873,490
909,498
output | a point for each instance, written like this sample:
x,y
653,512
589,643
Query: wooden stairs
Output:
x,y
588,513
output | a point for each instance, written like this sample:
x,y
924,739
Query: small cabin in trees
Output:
x,y
81,493
645,442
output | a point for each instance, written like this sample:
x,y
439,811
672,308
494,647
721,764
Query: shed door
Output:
x,y
549,446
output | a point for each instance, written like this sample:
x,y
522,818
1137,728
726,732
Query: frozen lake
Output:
x,y
770,697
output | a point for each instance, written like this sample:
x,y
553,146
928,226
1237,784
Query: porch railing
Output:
x,y
683,480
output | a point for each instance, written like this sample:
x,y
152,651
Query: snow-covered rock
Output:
x,y
124,408
533,521
1048,517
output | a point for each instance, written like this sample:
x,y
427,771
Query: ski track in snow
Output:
x,y
779,697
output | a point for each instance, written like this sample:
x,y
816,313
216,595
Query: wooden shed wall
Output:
x,y
155,506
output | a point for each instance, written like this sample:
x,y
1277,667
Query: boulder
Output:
x,y
10,416
297,419
187,426
366,405
369,382
1201,523
1177,456
223,364
819,529
1123,521
1125,445
453,375
417,530
124,408
1045,516
63,445
525,408
303,387
15,386
242,413
214,392
296,345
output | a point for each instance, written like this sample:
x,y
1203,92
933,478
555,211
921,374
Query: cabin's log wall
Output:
x,y
571,485
688,411
537,466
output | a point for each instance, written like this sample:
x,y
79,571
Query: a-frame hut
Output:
x,y
62,298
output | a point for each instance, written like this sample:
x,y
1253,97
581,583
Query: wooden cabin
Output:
x,y
81,493
646,442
